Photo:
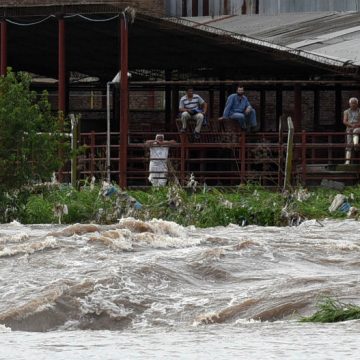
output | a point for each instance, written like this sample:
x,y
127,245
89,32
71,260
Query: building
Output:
x,y
76,41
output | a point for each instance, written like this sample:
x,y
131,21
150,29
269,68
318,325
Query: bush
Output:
x,y
29,134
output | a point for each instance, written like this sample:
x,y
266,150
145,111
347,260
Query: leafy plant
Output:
x,y
30,136
331,310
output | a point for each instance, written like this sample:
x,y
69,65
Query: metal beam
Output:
x,y
124,100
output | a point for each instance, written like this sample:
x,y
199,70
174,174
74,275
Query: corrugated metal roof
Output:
x,y
331,35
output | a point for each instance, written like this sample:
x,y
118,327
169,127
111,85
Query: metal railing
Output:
x,y
223,158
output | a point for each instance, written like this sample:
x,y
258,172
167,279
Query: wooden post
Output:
x,y
289,154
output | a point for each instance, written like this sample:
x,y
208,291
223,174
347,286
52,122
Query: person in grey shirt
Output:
x,y
192,107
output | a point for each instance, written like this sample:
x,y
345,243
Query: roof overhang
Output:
x,y
92,47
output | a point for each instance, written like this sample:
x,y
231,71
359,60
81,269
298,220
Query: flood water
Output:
x,y
140,290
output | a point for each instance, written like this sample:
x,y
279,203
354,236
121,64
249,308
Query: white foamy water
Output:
x,y
154,289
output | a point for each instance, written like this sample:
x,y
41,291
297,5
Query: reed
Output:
x,y
331,310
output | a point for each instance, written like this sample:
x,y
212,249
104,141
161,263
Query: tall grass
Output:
x,y
201,207
331,310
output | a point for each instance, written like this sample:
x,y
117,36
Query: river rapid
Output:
x,y
141,290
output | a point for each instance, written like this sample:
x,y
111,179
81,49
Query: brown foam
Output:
x,y
78,229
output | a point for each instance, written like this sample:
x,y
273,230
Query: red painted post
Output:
x,y
61,70
124,101
61,81
297,108
92,154
205,8
242,156
303,156
3,59
183,145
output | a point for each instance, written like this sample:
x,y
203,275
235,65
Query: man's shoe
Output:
x,y
196,135
182,130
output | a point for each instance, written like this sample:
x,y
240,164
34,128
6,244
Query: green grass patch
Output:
x,y
331,310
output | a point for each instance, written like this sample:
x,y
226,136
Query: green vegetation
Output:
x,y
29,135
331,310
244,205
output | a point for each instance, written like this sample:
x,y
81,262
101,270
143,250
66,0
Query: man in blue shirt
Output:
x,y
238,108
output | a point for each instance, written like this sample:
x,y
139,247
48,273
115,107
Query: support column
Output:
x,y
316,109
205,8
262,109
61,70
279,105
169,120
195,8
124,101
3,58
339,126
297,107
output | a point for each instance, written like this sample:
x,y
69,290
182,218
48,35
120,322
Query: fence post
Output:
x,y
303,156
182,158
74,140
289,154
242,156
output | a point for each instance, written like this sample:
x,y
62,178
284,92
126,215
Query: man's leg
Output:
x,y
356,133
199,121
349,141
185,116
240,118
251,119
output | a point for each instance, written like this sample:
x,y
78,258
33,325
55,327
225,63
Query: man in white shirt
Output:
x,y
158,168
192,107
352,122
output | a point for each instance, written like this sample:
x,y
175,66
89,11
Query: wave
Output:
x,y
30,248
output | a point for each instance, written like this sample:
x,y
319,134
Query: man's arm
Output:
x,y
248,107
204,106
228,106
346,119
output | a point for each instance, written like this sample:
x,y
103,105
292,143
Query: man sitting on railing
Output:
x,y
192,106
352,122
238,108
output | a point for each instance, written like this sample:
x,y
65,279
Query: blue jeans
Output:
x,y
245,120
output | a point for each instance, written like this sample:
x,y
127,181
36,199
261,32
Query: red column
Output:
x,y
297,107
3,59
205,8
61,69
124,101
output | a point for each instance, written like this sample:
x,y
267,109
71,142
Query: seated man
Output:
x,y
238,108
158,167
352,122
192,106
